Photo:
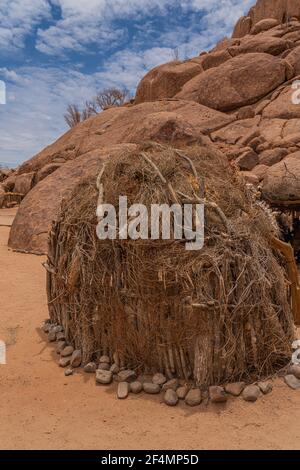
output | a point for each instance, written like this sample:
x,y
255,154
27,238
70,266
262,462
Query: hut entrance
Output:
x,y
289,221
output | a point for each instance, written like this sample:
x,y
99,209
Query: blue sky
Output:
x,y
56,52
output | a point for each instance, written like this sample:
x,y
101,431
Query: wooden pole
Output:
x,y
287,251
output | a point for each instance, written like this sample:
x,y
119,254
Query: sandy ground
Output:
x,y
42,409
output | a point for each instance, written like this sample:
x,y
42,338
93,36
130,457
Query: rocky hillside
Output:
x,y
239,97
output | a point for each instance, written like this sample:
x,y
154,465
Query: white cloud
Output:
x,y
36,102
83,23
17,20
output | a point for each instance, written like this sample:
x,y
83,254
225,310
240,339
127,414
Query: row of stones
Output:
x,y
173,391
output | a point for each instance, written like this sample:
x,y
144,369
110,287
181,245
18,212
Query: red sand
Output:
x,y
42,409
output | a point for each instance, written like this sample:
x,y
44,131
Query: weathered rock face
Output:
x,y
215,59
9,183
269,45
241,81
282,182
243,27
166,80
283,106
24,183
263,12
4,173
47,170
266,9
118,125
293,58
264,25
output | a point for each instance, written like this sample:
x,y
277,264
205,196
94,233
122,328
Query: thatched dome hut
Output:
x,y
211,316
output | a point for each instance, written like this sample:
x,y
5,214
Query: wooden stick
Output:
x,y
287,251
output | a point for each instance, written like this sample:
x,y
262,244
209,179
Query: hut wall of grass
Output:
x,y
210,316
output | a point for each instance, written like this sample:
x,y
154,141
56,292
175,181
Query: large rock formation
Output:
x,y
160,120
282,181
166,80
238,82
240,96
260,16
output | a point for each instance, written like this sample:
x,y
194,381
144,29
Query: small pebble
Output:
x,y
51,336
136,387
68,372
123,390
90,367
235,389
173,384
104,376
126,376
67,351
76,358
217,394
182,392
60,346
104,366
292,382
193,397
151,388
115,369
159,379
171,397
46,327
265,387
251,393
64,361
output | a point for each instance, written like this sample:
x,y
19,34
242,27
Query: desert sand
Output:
x,y
40,408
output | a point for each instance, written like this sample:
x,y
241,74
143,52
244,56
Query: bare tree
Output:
x,y
73,115
107,98
111,97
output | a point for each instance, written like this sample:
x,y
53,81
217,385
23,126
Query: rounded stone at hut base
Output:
x,y
90,367
136,387
104,377
151,388
171,397
193,397
123,390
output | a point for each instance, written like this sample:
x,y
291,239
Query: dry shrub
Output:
x,y
210,316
